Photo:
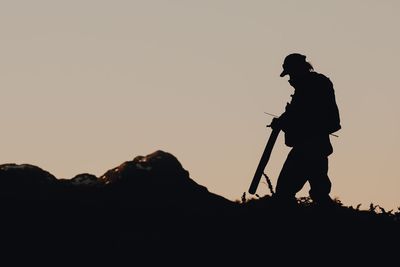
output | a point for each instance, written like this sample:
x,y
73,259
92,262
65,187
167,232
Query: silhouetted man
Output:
x,y
310,117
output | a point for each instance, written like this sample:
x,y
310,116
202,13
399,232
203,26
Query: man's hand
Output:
x,y
275,124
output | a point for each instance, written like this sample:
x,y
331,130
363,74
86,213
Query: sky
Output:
x,y
89,84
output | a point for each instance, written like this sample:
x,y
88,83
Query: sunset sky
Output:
x,y
89,84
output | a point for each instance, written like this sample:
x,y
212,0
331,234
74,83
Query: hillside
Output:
x,y
150,210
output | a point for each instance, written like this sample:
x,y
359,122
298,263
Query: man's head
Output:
x,y
295,65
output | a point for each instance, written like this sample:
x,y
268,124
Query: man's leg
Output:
x,y
320,185
292,176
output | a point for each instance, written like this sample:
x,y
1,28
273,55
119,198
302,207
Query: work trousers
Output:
x,y
304,165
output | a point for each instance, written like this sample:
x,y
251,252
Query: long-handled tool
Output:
x,y
273,115
263,161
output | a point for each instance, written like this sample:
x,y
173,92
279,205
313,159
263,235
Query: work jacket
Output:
x,y
312,114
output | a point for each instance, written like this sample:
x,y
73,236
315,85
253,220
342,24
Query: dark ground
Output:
x,y
114,219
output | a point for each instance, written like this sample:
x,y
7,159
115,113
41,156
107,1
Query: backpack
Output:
x,y
332,112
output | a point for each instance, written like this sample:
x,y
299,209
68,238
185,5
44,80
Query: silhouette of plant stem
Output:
x,y
244,197
372,207
269,184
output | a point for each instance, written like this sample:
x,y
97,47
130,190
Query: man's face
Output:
x,y
294,71
289,70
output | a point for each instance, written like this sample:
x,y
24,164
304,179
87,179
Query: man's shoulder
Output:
x,y
317,75
321,78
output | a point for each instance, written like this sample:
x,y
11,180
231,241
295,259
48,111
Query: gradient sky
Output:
x,y
89,84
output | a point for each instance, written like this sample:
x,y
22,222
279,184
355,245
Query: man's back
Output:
x,y
313,112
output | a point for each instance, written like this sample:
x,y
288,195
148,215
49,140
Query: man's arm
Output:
x,y
282,121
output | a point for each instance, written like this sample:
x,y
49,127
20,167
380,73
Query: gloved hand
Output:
x,y
275,124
